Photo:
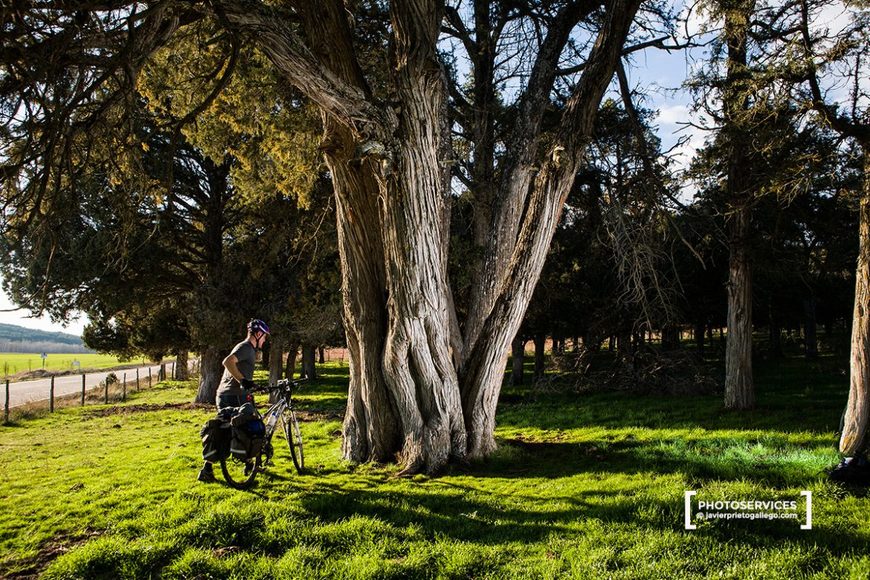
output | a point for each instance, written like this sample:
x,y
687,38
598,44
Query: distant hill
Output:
x,y
19,339
19,333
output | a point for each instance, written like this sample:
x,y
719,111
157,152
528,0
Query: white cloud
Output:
x,y
671,115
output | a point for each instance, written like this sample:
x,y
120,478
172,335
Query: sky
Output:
x,y
21,317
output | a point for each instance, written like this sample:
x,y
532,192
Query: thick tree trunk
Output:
x,y
854,437
418,363
518,354
371,429
182,370
309,358
210,371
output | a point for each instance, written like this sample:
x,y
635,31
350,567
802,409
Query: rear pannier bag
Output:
x,y
247,441
216,435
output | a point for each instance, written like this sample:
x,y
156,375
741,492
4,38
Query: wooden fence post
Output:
x,y
83,389
51,396
106,396
137,379
124,388
149,377
173,372
6,406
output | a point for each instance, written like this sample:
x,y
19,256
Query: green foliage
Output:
x,y
271,133
580,487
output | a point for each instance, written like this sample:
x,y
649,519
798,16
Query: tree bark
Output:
x,y
211,370
739,387
418,364
516,170
276,360
182,370
309,358
370,430
290,369
854,437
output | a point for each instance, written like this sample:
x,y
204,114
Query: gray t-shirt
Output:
x,y
246,358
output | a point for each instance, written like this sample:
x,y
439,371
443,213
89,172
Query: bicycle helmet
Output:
x,y
257,325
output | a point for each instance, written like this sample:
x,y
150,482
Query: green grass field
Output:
x,y
13,363
583,486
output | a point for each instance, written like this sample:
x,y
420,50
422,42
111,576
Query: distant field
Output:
x,y
12,363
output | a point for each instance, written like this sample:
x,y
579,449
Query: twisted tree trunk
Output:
x,y
417,390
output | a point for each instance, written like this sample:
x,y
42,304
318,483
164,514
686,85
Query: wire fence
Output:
x,y
114,388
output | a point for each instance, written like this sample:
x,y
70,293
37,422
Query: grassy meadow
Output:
x,y
582,486
13,363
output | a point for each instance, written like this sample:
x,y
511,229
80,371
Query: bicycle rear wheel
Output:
x,y
294,438
240,474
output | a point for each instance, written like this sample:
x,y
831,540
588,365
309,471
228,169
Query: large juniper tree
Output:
x,y
423,386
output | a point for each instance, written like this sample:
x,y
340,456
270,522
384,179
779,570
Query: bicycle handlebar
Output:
x,y
286,383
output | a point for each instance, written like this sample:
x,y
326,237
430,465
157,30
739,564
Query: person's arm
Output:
x,y
232,367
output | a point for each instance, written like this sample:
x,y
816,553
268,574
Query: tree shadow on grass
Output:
x,y
469,514
798,414
710,458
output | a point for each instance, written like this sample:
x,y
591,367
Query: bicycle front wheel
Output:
x,y
294,438
240,474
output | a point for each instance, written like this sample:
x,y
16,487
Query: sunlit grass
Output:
x,y
13,363
582,486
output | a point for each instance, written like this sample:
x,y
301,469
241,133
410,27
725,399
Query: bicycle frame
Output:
x,y
276,414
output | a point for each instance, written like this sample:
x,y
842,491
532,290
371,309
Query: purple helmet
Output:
x,y
257,325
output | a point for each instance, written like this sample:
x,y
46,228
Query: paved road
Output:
x,y
30,391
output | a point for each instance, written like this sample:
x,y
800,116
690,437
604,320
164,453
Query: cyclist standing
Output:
x,y
237,384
